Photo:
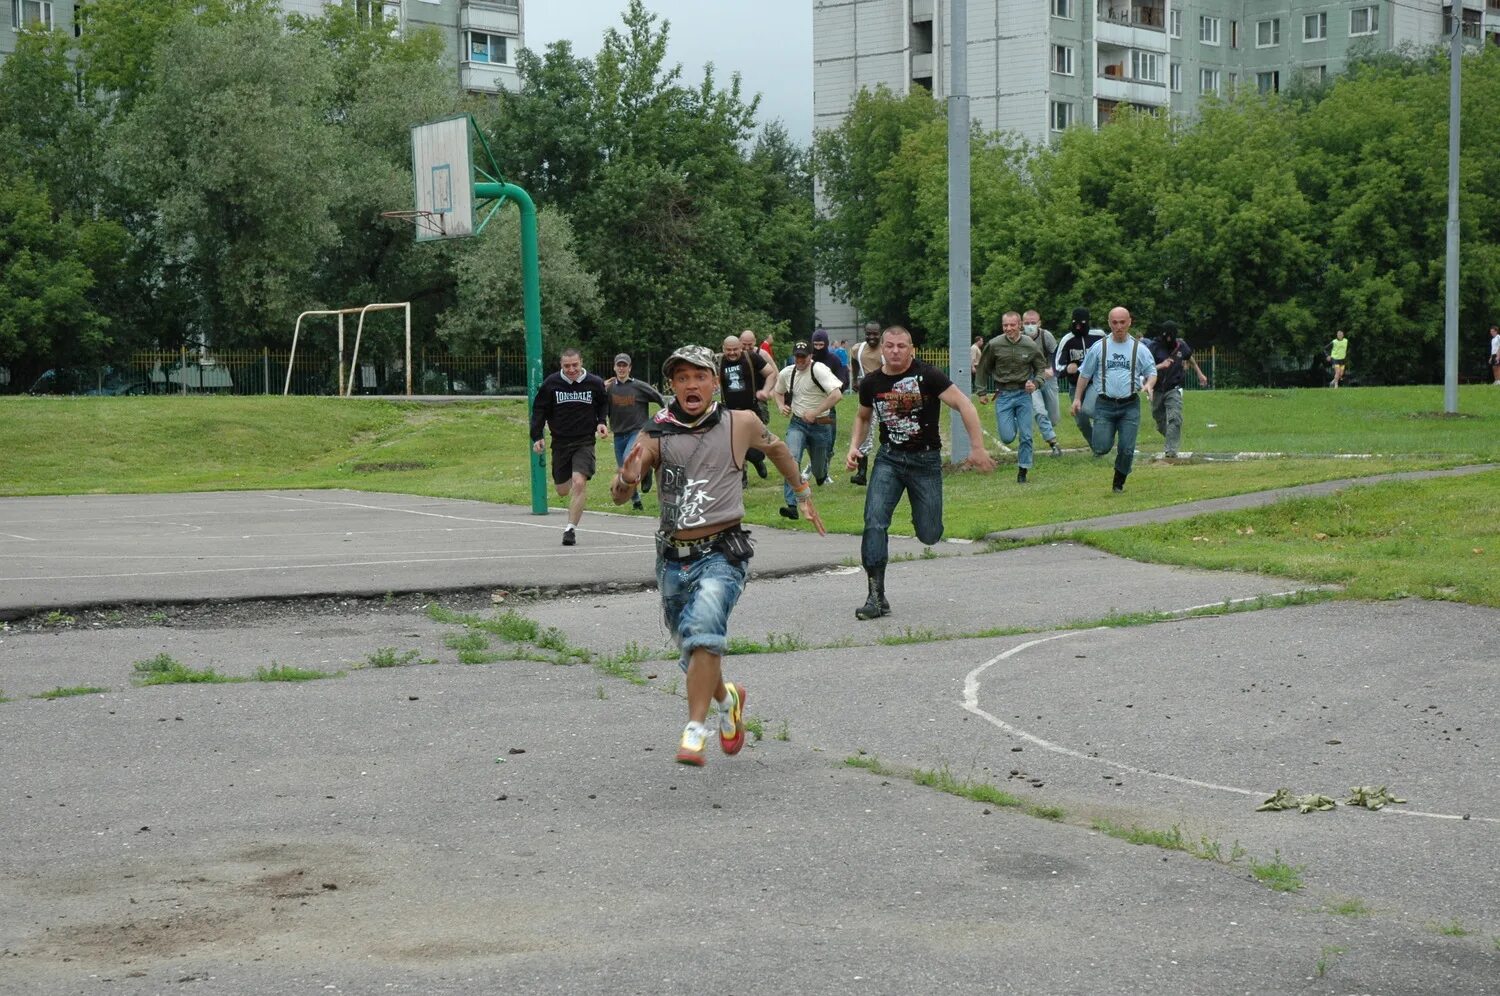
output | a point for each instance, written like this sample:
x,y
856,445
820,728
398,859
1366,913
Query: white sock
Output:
x,y
568,528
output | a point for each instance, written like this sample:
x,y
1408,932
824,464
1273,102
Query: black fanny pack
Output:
x,y
734,543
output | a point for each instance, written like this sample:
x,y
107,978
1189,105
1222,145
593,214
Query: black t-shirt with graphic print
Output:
x,y
906,405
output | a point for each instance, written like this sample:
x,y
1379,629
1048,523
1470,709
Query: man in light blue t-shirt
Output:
x,y
1123,367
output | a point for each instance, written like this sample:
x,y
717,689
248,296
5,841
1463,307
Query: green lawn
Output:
x,y
478,450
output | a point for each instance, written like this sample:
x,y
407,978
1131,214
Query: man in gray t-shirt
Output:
x,y
629,401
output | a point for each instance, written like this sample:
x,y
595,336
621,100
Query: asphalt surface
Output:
x,y
519,826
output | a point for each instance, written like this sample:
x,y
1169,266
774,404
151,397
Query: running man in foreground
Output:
x,y
702,552
905,395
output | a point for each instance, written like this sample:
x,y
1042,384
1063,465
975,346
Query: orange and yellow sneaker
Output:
x,y
690,751
732,718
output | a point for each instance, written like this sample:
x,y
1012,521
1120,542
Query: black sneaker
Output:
x,y
635,503
569,538
789,512
1056,449
1021,475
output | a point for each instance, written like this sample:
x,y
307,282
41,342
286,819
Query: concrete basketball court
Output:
x,y
519,826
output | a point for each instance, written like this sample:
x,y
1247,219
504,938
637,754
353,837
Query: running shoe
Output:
x,y
690,751
731,718
568,538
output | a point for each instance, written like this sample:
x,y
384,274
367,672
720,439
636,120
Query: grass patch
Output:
x,y
441,614
466,641
1326,958
1351,907
479,657
1277,874
163,669
387,657
1453,928
287,672
57,620
909,635
783,732
941,779
775,643
1167,840
1054,813
3,698
756,726
510,625
69,692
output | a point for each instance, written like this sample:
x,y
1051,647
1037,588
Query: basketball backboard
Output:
x,y
442,171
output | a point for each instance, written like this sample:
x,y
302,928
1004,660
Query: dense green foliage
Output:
x,y
1262,226
192,172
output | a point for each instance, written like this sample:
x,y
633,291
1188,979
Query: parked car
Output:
x,y
98,381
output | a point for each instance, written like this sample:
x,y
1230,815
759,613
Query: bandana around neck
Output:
x,y
673,419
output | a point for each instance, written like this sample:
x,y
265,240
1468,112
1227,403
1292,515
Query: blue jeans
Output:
x,y
696,599
920,475
1122,417
1013,415
1044,403
623,443
817,440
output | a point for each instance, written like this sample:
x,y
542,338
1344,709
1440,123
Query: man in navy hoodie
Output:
x,y
573,405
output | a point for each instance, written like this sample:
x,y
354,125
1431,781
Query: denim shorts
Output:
x,y
696,599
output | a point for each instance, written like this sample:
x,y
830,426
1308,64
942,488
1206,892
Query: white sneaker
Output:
x,y
690,750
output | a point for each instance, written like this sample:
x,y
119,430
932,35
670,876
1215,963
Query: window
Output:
x,y
1175,74
1208,81
1234,34
1268,82
1363,21
1145,66
1268,33
1315,27
1062,8
1232,83
1208,30
1062,60
486,48
1062,115
1174,23
31,14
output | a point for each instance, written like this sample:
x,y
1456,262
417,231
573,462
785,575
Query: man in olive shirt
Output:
x,y
1016,364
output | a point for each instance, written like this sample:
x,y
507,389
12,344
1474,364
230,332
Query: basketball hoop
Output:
x,y
433,223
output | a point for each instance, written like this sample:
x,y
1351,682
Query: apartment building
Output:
x,y
1038,67
482,37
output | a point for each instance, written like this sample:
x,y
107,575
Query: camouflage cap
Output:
x,y
698,356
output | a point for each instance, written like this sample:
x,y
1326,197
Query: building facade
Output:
x,y
1039,67
481,37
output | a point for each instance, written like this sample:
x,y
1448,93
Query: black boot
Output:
x,y
1119,482
646,482
875,605
859,475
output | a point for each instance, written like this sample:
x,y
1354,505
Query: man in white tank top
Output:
x,y
702,552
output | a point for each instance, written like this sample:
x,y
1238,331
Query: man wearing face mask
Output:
x,y
1044,398
1071,350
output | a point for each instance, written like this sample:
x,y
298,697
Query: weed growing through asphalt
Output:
x,y
163,669
909,635
390,598
1351,907
56,619
387,657
4,699
438,613
941,779
674,684
288,672
114,617
158,618
466,641
1277,874
754,724
65,693
1453,928
510,625
783,732
775,643
1327,958
599,692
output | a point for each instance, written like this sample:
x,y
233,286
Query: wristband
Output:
x,y
802,494
626,480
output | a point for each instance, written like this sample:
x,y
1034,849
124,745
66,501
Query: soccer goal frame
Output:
x,y
346,384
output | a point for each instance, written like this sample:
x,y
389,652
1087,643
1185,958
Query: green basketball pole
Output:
x,y
531,300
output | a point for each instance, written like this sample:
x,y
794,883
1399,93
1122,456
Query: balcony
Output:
x,y
921,10
1116,85
1141,15
1132,26
492,16
485,77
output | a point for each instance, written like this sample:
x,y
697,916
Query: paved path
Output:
x,y
1254,499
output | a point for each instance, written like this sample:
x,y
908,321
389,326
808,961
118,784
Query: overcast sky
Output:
x,y
768,42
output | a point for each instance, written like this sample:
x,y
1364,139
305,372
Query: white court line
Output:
x,y
309,567
971,704
28,539
444,515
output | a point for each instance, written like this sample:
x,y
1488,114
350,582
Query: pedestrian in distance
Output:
x,y
905,398
629,406
702,551
1122,369
572,404
1172,356
807,392
866,361
1071,350
1495,353
746,378
1044,400
1015,363
1338,355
